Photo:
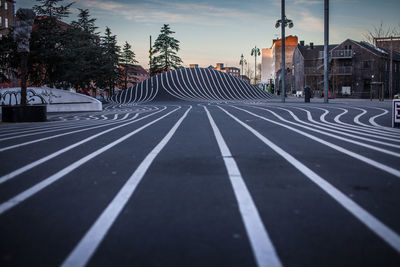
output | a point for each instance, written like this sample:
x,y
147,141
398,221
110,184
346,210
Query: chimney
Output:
x,y
301,43
312,45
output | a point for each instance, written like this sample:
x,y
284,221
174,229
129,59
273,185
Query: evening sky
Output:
x,y
212,31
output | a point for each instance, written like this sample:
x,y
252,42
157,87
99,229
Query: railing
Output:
x,y
342,53
337,70
342,70
338,54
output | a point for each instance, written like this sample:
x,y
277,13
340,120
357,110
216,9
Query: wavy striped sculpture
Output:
x,y
191,84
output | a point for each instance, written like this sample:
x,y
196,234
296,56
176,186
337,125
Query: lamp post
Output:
x,y
370,87
326,43
242,62
283,22
151,57
256,52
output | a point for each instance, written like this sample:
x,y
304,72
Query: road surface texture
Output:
x,y
179,183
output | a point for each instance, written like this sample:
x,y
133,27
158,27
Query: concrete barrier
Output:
x,y
57,100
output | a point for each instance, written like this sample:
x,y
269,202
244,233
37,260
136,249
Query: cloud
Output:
x,y
307,2
155,11
304,20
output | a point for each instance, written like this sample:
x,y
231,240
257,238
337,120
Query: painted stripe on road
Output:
x,y
343,150
261,244
380,229
31,165
55,177
92,239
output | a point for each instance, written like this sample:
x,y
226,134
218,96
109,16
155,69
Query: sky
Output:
x,y
212,31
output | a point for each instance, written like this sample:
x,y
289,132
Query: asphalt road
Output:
x,y
255,183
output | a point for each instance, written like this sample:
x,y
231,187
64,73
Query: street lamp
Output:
x,y
256,52
242,62
370,87
326,44
283,23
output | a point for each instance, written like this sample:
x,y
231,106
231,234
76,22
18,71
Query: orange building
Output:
x,y
229,70
272,57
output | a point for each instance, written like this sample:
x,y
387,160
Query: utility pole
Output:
x,y
370,87
391,69
150,56
242,62
283,68
256,52
326,43
283,22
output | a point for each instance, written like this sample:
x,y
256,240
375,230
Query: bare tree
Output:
x,y
381,31
249,72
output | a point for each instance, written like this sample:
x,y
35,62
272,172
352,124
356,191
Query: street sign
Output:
x,y
396,113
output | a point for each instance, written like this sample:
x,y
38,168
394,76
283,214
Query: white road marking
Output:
x,y
58,135
380,229
263,249
31,165
55,177
342,133
86,247
336,147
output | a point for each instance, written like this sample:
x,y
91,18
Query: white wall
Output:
x,y
56,100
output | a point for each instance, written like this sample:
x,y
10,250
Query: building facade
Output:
x,y
271,58
6,16
356,69
308,67
388,43
136,73
229,70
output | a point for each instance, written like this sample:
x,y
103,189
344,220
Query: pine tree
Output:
x,y
167,47
127,58
47,42
110,72
83,53
9,58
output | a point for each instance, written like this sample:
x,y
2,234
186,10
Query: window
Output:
x,y
1,21
5,5
349,47
366,64
6,22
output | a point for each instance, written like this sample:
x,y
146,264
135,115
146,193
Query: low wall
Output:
x,y
56,100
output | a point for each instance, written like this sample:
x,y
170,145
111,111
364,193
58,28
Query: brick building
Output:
x,y
358,69
6,16
7,19
229,70
271,58
388,43
136,73
308,66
